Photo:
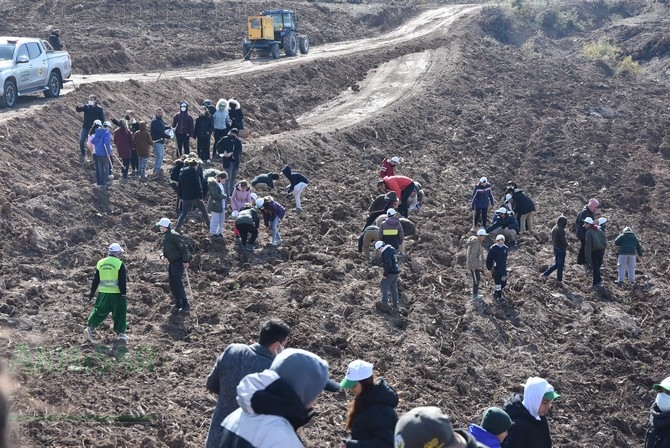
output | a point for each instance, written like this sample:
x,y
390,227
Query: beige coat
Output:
x,y
475,254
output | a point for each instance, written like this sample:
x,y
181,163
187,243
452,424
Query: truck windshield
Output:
x,y
6,52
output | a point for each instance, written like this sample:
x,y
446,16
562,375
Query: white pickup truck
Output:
x,y
29,65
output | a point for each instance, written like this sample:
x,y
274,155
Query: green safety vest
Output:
x,y
108,268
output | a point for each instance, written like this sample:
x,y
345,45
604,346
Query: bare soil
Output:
x,y
454,102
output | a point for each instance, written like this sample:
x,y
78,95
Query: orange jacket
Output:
x,y
397,183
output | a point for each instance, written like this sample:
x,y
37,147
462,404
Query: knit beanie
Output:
x,y
496,421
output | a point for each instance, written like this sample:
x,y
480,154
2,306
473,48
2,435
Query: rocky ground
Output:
x,y
485,94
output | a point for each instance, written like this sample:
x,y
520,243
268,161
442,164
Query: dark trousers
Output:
x,y
182,143
218,135
175,274
390,283
175,188
581,259
134,160
124,168
404,199
187,206
476,278
246,230
500,281
101,169
480,216
596,263
203,147
559,264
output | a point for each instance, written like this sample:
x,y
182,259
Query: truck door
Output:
x,y
39,65
23,68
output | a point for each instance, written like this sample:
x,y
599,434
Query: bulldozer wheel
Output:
x,y
274,51
303,43
290,44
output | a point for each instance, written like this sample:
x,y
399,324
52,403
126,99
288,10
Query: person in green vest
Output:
x,y
110,282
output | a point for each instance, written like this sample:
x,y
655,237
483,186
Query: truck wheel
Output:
x,y
274,51
290,44
246,51
53,86
10,96
303,43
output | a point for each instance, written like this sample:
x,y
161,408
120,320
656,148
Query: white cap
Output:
x,y
481,232
396,160
254,196
98,122
502,210
378,244
508,197
500,237
390,212
602,221
115,248
483,180
356,371
164,222
260,202
107,124
588,220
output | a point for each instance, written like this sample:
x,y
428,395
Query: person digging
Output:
x,y
390,276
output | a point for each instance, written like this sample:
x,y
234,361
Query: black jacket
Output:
x,y
190,184
558,233
508,222
230,143
174,247
522,203
579,222
264,179
54,40
204,126
526,431
374,422
248,216
658,434
390,261
157,129
497,255
91,113
294,177
236,117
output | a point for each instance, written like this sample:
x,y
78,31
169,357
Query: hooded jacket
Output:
x,y
526,431
102,142
239,198
391,232
203,127
386,169
628,243
190,184
506,221
474,259
216,196
374,422
482,196
558,233
483,436
595,240
235,114
272,210
182,123
123,139
497,255
579,222
294,177
142,139
220,117
390,260
265,179
522,203
248,216
382,203
658,434
236,361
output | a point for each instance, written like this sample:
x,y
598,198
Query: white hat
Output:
x,y
356,371
483,180
395,159
98,122
588,220
378,244
115,248
107,124
602,221
390,212
481,232
500,237
502,210
254,196
164,222
260,202
508,197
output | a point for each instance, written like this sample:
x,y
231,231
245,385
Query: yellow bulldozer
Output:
x,y
272,31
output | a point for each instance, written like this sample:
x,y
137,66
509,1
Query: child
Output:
x,y
123,139
388,167
272,212
298,183
217,204
265,180
241,195
496,263
143,144
247,223
481,198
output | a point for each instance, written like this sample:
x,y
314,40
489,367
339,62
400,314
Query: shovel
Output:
x,y
111,175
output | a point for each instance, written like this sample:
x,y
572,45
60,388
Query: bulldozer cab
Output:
x,y
283,21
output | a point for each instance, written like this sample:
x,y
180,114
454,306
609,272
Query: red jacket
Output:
x,y
124,143
397,184
387,169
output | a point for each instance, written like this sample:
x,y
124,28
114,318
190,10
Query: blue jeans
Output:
x,y
101,170
559,253
274,227
175,274
159,150
82,141
232,174
390,282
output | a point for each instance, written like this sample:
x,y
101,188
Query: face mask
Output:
x,y
222,107
663,401
183,109
91,103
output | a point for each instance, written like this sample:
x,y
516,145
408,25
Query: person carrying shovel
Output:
x,y
175,253
103,154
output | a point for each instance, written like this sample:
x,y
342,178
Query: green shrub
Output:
x,y
601,51
627,66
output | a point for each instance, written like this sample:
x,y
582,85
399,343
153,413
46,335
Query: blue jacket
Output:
x,y
157,129
498,256
482,196
294,177
508,222
102,142
483,436
390,260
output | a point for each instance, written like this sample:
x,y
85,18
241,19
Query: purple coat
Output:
x,y
271,210
124,143
183,123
